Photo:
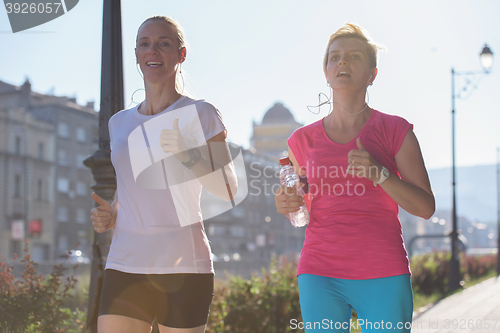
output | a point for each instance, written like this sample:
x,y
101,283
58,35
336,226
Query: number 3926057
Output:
x,y
32,8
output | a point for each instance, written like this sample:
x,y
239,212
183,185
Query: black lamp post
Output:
x,y
486,57
100,160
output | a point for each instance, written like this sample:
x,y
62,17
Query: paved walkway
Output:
x,y
474,310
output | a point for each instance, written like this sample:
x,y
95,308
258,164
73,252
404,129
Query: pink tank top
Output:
x,y
354,230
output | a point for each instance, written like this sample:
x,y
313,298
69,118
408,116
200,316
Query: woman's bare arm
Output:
x,y
413,191
217,156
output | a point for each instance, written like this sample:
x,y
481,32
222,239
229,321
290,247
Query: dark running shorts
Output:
x,y
177,300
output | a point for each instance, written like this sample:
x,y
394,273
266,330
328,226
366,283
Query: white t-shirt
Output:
x,y
149,236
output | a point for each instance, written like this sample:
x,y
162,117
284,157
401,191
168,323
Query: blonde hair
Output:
x,y
181,38
353,30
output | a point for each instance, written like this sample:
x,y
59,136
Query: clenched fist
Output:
x,y
104,216
287,200
171,140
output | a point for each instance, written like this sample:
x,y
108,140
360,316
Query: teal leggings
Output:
x,y
382,305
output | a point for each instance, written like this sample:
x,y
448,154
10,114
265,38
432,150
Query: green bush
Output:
x,y
263,304
477,267
75,321
431,271
33,303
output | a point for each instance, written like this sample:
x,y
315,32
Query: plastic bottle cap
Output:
x,y
284,161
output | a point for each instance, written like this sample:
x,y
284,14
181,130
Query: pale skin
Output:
x,y
157,42
413,191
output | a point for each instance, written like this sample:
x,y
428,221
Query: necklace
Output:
x,y
352,114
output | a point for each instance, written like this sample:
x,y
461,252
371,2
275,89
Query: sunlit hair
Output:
x,y
181,38
353,30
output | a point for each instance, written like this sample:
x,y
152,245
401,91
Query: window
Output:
x,y
39,252
238,211
39,190
63,185
81,135
63,130
18,145
237,231
40,150
81,188
215,230
81,215
63,158
63,243
17,186
62,214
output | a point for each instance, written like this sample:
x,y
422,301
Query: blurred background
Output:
x,y
260,63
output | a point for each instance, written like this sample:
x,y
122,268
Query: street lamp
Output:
x,y
486,57
100,161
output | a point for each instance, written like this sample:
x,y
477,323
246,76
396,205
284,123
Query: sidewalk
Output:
x,y
476,309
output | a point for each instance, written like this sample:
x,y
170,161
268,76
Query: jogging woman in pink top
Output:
x,y
361,164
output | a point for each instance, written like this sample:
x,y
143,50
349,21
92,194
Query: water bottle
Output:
x,y
290,178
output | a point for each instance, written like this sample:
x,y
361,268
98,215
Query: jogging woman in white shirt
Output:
x,y
159,263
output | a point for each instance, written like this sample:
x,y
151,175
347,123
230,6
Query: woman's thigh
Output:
x,y
183,300
323,305
384,304
127,295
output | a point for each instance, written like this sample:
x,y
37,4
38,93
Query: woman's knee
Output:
x,y
165,329
110,323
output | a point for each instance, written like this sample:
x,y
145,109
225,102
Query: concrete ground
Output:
x,y
476,309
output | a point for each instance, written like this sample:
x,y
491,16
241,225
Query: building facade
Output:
x,y
44,185
246,237
269,137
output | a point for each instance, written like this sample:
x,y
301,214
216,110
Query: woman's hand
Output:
x,y
104,216
362,164
171,140
287,201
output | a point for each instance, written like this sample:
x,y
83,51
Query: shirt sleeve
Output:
x,y
210,119
402,126
293,143
110,131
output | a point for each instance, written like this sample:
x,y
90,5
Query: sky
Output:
x,y
244,56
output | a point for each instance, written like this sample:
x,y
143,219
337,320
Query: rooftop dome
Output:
x,y
277,114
